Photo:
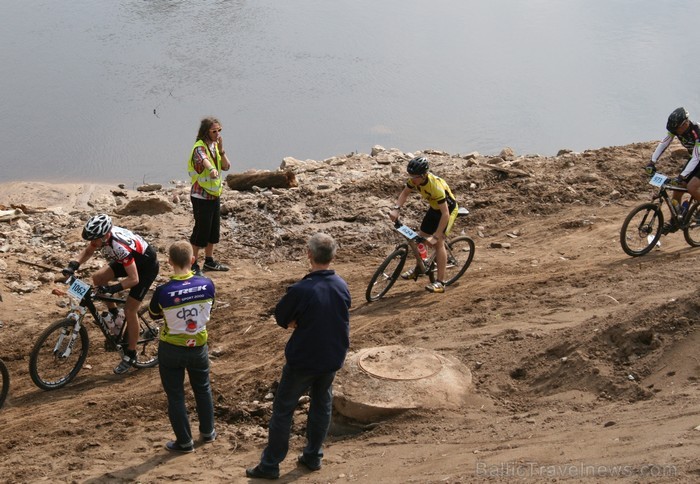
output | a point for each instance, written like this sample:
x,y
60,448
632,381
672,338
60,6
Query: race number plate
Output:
x,y
658,179
78,289
407,232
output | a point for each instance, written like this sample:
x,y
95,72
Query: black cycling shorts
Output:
x,y
432,218
147,267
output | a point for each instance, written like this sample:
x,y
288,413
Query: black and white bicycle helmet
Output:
x,y
676,118
97,227
418,166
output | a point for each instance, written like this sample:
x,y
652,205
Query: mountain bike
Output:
x,y
5,381
61,349
460,252
645,224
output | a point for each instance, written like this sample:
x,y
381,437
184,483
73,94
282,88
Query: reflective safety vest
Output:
x,y
213,186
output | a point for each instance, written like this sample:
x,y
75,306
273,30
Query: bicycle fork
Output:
x,y
71,334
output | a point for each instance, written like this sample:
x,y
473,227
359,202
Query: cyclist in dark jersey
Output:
x,y
680,126
130,257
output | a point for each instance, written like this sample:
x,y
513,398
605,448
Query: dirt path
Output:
x,y
584,362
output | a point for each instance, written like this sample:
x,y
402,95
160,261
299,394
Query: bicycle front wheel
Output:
x,y
58,355
692,230
386,274
147,346
460,253
5,381
641,230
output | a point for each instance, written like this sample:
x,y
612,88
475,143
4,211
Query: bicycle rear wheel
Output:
x,y
147,346
5,381
692,230
56,357
641,230
386,274
460,253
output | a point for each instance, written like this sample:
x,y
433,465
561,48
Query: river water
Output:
x,y
113,90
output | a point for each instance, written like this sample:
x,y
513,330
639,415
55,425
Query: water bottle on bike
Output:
x,y
113,322
422,251
118,322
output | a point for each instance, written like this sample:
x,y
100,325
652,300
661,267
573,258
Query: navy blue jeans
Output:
x,y
173,361
292,386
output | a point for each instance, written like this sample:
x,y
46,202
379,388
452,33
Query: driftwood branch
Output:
x,y
40,266
9,215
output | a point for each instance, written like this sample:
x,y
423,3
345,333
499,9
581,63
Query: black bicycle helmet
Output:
x,y
418,166
97,227
676,118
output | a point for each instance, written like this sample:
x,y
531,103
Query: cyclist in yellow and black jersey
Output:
x,y
439,218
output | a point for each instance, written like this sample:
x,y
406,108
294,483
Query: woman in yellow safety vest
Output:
x,y
206,162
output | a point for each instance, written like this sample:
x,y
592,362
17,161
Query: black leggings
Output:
x,y
207,216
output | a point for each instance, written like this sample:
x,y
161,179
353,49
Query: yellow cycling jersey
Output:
x,y
435,190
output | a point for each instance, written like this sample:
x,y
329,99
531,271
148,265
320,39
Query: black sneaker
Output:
x,y
195,268
128,360
301,460
212,265
257,473
209,438
173,446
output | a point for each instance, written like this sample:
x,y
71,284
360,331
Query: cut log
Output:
x,y
261,178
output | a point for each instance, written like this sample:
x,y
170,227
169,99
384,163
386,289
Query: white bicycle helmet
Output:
x,y
97,227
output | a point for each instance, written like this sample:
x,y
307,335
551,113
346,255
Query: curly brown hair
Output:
x,y
204,128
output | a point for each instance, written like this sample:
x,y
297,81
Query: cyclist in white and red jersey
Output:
x,y
130,257
680,126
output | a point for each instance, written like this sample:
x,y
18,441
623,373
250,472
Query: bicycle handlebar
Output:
x,y
418,238
95,293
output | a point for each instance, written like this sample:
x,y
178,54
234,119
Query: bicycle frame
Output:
x,y
412,241
659,180
80,307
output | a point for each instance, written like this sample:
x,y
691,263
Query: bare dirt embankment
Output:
x,y
584,360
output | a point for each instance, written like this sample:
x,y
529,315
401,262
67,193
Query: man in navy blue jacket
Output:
x,y
317,310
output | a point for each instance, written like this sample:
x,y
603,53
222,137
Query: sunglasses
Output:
x,y
215,130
